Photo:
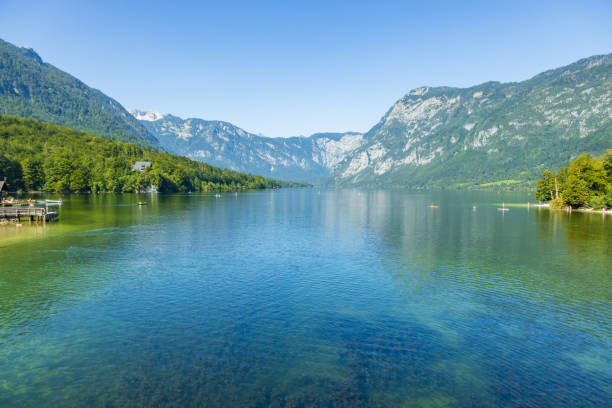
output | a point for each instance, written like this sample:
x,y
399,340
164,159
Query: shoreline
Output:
x,y
528,205
571,210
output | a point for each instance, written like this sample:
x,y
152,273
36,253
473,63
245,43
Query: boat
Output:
x,y
142,203
10,202
53,202
434,206
503,208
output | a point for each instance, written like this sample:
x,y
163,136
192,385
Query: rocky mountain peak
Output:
x,y
148,115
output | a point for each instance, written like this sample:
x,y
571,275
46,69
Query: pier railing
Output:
x,y
33,213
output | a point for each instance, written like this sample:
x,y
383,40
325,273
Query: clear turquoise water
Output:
x,y
294,298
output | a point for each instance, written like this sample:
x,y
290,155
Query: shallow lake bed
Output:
x,y
307,298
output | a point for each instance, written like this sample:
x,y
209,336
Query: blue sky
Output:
x,y
295,68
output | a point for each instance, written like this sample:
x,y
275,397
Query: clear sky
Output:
x,y
295,68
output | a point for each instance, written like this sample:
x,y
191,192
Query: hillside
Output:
x,y
433,137
35,89
493,133
225,145
40,156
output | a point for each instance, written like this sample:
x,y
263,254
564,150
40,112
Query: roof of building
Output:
x,y
140,165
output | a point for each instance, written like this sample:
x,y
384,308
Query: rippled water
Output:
x,y
299,298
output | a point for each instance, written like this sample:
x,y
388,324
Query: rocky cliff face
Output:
x,y
494,132
225,145
505,133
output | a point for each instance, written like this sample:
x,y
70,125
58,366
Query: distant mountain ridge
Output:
x,y
491,133
225,145
433,137
35,89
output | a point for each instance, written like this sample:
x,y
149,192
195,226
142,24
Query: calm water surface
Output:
x,y
299,298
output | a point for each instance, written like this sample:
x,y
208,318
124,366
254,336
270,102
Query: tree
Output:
x,y
576,191
545,190
33,174
607,165
78,180
597,202
591,171
587,181
12,171
43,156
58,174
608,198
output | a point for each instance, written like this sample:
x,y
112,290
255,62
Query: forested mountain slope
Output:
x,y
40,156
35,89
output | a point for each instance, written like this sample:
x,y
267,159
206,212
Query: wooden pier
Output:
x,y
30,213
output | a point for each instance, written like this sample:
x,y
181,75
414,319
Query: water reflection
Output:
x,y
293,298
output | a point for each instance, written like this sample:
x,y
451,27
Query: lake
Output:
x,y
290,298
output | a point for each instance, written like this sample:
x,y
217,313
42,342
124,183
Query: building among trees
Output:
x,y
140,165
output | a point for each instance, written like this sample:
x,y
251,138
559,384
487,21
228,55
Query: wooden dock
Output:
x,y
30,213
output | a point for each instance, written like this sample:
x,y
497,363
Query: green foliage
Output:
x,y
33,174
39,156
591,171
597,202
607,165
545,190
444,137
575,191
557,203
32,88
11,171
608,198
585,182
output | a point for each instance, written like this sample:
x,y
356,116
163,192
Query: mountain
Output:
x,y
35,155
493,133
433,137
35,89
225,145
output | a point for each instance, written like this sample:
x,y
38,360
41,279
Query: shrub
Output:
x,y
557,203
597,202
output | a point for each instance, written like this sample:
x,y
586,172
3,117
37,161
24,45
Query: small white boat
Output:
x,y
503,208
53,202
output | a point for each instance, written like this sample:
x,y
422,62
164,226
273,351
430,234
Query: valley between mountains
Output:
x,y
492,134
